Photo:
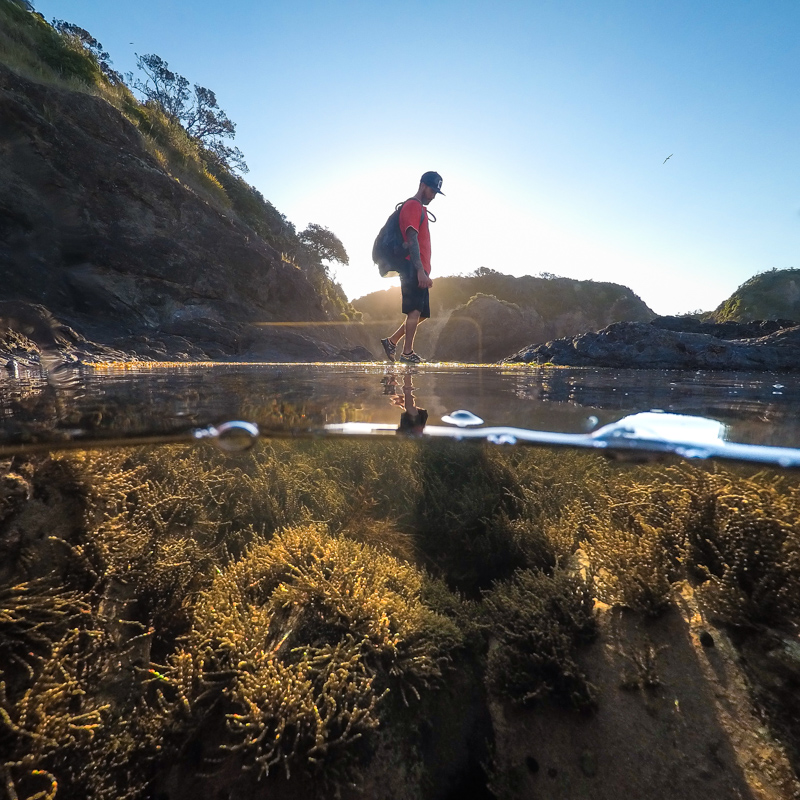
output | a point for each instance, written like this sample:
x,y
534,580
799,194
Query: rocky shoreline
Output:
x,y
32,338
675,343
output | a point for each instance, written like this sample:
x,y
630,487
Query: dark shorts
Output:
x,y
414,298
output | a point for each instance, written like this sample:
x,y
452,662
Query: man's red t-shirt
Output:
x,y
410,215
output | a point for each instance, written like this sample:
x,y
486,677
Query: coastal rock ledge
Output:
x,y
675,343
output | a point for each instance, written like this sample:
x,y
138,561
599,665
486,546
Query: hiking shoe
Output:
x,y
389,348
410,358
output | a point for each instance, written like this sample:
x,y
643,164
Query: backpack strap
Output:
x,y
422,213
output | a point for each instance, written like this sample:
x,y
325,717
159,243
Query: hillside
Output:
x,y
488,315
769,295
126,229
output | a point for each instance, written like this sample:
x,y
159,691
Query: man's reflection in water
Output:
x,y
413,418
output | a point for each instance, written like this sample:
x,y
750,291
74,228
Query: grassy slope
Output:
x,y
769,295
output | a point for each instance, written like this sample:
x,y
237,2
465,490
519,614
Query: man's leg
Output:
x,y
398,334
412,321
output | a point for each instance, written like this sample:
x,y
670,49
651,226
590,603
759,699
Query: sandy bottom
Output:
x,y
676,718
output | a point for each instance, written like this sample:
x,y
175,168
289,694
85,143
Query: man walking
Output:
x,y
415,280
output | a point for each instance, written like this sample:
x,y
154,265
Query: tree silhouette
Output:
x,y
163,86
198,110
325,244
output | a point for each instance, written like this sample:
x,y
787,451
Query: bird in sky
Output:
x,y
668,158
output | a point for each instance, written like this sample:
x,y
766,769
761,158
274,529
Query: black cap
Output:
x,y
434,180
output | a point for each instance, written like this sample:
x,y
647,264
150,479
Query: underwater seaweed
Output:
x,y
214,618
741,537
55,717
538,622
33,615
633,565
299,641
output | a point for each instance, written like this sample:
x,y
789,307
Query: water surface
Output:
x,y
141,401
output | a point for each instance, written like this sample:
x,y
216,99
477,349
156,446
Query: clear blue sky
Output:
x,y
549,121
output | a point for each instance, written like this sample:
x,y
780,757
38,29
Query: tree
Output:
x,y
482,272
324,244
163,86
84,39
198,110
205,119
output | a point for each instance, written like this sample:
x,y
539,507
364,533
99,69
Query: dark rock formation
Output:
x,y
95,230
652,346
723,330
31,337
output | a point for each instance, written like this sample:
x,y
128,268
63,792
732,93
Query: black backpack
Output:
x,y
389,251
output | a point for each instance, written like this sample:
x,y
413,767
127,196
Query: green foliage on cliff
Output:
x,y
28,43
769,295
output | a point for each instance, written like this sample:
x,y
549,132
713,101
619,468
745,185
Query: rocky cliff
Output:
x,y
95,228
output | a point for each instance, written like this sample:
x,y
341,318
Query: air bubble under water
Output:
x,y
232,437
462,418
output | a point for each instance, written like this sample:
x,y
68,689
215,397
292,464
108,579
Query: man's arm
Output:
x,y
412,242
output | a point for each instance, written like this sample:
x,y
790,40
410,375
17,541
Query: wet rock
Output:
x,y
647,346
784,657
357,353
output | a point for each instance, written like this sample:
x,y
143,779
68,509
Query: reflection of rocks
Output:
x,y
650,346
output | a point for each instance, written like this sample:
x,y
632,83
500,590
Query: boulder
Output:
x,y
484,329
647,346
